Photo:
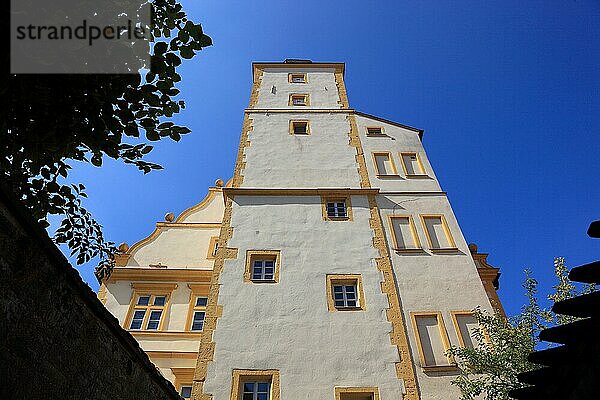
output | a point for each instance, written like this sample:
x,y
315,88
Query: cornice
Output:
x,y
298,191
160,275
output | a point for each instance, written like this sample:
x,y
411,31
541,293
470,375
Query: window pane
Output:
x,y
247,396
339,303
201,301
338,296
198,322
351,303
337,289
186,392
143,300
159,300
262,396
249,387
350,288
263,387
138,318
154,320
269,263
268,276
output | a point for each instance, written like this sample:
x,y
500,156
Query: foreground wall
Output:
x,y
56,338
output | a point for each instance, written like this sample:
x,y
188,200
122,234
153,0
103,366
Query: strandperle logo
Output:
x,y
80,36
84,31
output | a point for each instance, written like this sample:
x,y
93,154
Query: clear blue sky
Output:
x,y
508,93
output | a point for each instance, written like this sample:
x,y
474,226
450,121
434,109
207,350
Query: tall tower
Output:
x,y
338,271
341,266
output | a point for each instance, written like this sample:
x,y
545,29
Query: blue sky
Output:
x,y
508,94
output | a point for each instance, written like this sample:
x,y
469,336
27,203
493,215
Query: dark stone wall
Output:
x,y
57,341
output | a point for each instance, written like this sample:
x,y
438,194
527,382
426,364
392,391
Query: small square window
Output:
x,y
299,128
186,392
255,384
374,131
262,266
345,292
336,209
201,301
350,393
297,78
298,100
143,300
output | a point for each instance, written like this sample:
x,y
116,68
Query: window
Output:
x,y
412,166
384,164
345,293
432,341
438,234
186,392
255,384
297,78
404,233
375,131
213,246
336,208
199,313
467,329
148,306
298,100
183,381
299,128
262,266
198,303
359,393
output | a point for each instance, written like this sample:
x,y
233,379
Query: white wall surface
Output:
x,y
321,87
433,282
287,326
397,140
276,159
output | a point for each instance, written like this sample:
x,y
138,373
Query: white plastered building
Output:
x,y
331,265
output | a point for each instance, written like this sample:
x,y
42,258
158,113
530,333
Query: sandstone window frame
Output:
x,y
374,131
292,77
446,229
413,231
393,173
297,122
299,100
152,291
455,314
259,255
350,393
241,376
423,172
445,341
213,246
197,290
326,200
345,279
184,378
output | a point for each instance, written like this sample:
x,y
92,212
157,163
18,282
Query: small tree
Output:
x,y
490,370
49,121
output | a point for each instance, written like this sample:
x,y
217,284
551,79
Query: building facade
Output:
x,y
331,265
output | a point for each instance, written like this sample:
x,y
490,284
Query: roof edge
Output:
x,y
387,121
281,64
